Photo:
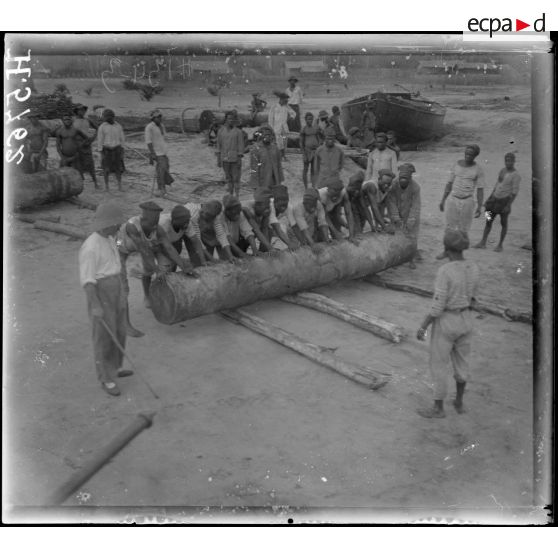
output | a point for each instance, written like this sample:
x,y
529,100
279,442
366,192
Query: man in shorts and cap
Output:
x,y
295,95
277,119
238,230
110,139
455,289
309,224
334,198
380,157
143,234
68,141
500,201
158,152
100,276
403,204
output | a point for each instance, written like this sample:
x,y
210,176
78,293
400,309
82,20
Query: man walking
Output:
x,y
99,269
455,289
158,153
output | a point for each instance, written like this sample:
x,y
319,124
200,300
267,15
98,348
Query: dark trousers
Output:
x,y
294,123
108,357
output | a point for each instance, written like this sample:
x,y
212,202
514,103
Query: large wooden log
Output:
x,y
479,306
177,297
374,325
30,190
80,202
360,374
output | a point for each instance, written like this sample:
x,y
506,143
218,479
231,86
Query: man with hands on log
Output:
x,y
362,196
281,210
100,276
403,204
455,289
143,234
257,212
334,197
309,223
211,231
239,232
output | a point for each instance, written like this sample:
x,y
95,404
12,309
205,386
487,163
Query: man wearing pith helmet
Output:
x,y
99,270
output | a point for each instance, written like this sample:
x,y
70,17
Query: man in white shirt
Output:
x,y
295,102
99,271
110,139
155,140
277,119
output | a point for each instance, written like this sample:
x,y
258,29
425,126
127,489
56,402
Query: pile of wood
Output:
x,y
50,106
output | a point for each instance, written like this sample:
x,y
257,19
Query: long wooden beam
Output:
x,y
482,307
322,303
360,374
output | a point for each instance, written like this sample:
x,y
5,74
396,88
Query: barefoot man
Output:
x,y
455,289
500,201
99,270
68,141
143,234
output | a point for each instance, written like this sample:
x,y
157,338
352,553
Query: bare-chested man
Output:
x,y
68,142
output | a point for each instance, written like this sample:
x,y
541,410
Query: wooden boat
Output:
x,y
412,117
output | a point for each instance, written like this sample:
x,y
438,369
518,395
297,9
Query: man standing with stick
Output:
x,y
99,269
155,140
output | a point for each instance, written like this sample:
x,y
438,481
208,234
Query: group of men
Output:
x,y
383,198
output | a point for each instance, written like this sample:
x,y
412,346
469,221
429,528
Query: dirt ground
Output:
x,y
245,422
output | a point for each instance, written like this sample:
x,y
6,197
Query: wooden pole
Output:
x,y
78,479
478,306
374,325
80,202
68,230
360,374
177,297
29,219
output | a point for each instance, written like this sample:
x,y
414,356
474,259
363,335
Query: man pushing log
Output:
x,y
143,234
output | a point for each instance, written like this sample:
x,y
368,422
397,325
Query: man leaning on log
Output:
x,y
334,197
143,234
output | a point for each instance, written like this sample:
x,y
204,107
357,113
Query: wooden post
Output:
x,y
479,306
68,230
360,374
78,479
177,297
374,325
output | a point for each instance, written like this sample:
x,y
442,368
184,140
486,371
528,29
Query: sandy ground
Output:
x,y
243,421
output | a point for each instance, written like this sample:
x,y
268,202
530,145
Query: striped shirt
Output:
x,y
195,209
456,284
236,229
127,245
98,258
